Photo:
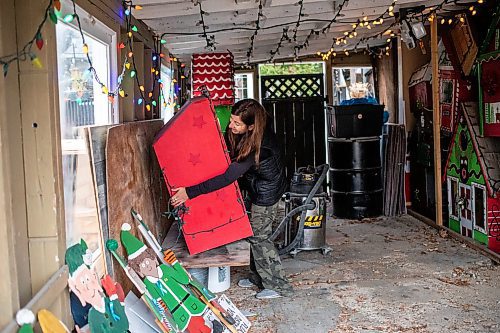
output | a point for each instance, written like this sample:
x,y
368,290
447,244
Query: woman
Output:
x,y
255,155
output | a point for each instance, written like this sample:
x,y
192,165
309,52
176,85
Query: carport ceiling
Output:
x,y
232,23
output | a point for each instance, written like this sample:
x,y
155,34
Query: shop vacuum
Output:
x,y
304,226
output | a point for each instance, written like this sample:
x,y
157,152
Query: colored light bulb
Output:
x,y
132,73
36,62
139,101
69,18
134,28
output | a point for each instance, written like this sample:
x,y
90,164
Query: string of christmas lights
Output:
x,y
284,37
53,12
324,30
209,39
296,28
85,48
257,28
364,22
26,52
420,16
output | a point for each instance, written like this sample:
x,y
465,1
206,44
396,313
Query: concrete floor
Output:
x,y
383,275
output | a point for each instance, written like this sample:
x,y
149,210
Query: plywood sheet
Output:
x,y
134,181
97,137
233,254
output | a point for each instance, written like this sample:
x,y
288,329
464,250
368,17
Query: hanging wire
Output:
x,y
210,40
257,28
301,4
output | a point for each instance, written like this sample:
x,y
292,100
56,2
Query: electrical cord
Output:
x,y
307,205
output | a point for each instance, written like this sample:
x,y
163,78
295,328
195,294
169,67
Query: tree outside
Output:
x,y
292,69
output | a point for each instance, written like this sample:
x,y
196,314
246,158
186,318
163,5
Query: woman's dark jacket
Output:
x,y
265,184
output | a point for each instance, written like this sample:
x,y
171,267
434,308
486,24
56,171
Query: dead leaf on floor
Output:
x,y
294,275
456,282
467,307
443,233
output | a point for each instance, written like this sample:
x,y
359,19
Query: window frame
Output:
x,y
98,31
485,213
452,200
250,84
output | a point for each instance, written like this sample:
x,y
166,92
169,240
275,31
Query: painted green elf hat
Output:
x,y
78,255
133,246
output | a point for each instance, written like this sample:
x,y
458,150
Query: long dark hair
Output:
x,y
251,112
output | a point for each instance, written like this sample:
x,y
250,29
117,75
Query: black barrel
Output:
x,y
356,153
356,177
357,205
356,181
357,120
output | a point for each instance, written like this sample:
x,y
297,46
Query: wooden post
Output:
x,y
436,123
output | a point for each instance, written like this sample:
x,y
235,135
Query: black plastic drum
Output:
x,y
358,181
360,153
357,120
357,205
356,177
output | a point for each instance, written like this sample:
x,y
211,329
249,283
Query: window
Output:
x,y
352,82
167,109
243,86
479,207
82,103
452,197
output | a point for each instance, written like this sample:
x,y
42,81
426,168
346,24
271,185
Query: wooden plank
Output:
x,y
134,181
45,297
234,254
97,140
436,122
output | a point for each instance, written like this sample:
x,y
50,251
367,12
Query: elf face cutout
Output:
x,y
149,267
85,284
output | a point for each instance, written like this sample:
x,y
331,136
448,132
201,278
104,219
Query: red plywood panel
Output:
x,y
190,149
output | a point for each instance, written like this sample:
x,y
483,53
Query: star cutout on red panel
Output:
x,y
194,159
199,122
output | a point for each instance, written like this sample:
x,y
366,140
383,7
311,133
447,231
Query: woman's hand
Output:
x,y
179,197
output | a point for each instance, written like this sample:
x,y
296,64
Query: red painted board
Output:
x,y
190,149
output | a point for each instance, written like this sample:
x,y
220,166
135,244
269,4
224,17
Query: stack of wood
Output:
x,y
393,170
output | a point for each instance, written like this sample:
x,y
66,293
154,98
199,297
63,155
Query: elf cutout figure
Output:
x,y
165,284
107,314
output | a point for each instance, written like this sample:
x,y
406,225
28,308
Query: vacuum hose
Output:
x,y
307,205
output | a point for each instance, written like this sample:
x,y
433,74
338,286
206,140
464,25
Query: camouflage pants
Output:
x,y
266,270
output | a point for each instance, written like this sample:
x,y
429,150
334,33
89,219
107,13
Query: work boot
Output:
x,y
246,283
267,294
